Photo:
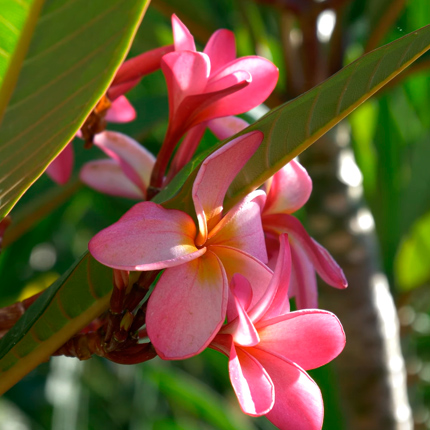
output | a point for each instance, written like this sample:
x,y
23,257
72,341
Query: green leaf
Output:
x,y
75,49
411,265
65,308
17,21
292,127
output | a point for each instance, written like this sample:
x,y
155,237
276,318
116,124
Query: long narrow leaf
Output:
x,y
79,296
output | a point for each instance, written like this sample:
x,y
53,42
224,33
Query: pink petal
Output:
x,y
241,227
242,329
186,74
184,41
135,161
298,401
289,190
106,176
183,318
134,69
121,110
228,81
264,77
198,108
275,300
61,167
237,261
228,126
147,237
310,338
221,49
186,150
215,176
251,383
303,279
240,292
323,262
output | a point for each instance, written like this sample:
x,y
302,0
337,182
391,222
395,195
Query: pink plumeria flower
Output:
x,y
126,173
128,76
188,305
206,85
287,191
270,348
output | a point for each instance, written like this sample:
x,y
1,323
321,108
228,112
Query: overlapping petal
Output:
x,y
288,190
187,307
309,337
251,382
221,49
147,237
61,168
106,176
121,110
323,262
228,126
298,404
236,261
184,41
136,162
215,176
303,284
241,227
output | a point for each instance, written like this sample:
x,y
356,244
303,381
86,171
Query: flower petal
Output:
x,y
215,176
183,318
184,41
186,74
251,383
121,110
241,328
241,292
290,189
147,237
264,77
274,301
106,176
310,337
323,262
298,402
221,49
135,161
237,261
134,69
228,126
241,227
303,279
61,167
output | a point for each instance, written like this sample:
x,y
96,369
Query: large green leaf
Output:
x,y
17,22
79,296
288,130
75,49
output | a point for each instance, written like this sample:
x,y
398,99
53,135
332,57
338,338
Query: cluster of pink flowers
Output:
x,y
242,265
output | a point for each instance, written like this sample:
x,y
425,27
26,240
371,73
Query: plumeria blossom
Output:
x,y
287,191
270,348
206,85
128,75
126,173
189,303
